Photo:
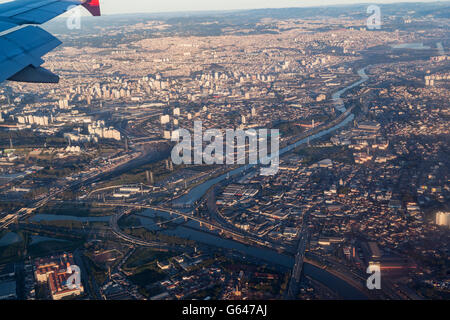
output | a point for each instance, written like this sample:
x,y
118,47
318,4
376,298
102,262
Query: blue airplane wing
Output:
x,y
22,45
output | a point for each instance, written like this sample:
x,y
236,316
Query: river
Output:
x,y
197,192
193,231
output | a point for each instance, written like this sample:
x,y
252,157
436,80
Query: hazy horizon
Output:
x,y
110,7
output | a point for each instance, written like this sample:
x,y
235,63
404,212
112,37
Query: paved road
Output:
x,y
298,266
133,240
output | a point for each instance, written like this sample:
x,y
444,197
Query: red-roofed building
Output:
x,y
55,271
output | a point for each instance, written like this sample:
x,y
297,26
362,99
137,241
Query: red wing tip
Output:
x,y
93,6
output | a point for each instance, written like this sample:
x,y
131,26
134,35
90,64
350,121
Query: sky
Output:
x,y
136,6
132,6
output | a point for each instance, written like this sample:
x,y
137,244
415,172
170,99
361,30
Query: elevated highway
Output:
x,y
189,216
294,282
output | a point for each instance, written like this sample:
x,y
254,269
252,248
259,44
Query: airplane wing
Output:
x,y
22,45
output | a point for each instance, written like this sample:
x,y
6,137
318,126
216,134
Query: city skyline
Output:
x,y
255,155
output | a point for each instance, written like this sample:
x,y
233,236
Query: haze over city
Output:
x,y
235,156
141,6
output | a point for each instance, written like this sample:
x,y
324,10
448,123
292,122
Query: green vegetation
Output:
x,y
60,172
11,253
28,139
3,233
343,190
34,193
45,248
149,275
128,222
274,286
99,274
290,129
144,256
55,168
265,286
42,291
336,153
75,210
150,291
285,283
72,224
17,251
138,175
144,234
10,206
213,292
145,272
35,229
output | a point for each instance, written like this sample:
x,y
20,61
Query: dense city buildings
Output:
x,y
87,178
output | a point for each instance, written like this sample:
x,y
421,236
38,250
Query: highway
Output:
x,y
296,274
187,216
300,255
62,185
133,240
294,282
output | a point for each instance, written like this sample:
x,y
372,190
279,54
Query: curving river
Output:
x,y
192,230
197,192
